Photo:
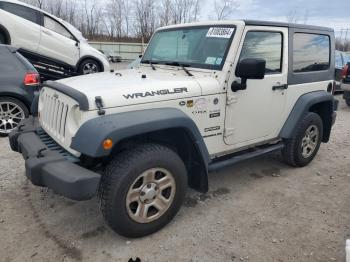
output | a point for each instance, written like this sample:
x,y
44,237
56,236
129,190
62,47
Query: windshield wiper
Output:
x,y
150,63
183,66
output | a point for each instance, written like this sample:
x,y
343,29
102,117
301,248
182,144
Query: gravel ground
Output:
x,y
260,210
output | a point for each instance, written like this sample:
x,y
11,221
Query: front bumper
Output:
x,y
48,165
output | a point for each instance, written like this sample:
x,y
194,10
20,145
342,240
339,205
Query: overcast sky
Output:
x,y
331,13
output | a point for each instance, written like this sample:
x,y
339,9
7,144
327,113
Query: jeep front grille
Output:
x,y
54,115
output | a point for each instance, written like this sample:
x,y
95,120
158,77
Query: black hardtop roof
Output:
x,y
289,25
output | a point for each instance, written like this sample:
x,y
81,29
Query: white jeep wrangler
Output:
x,y
205,96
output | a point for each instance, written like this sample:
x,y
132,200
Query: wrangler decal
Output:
x,y
157,93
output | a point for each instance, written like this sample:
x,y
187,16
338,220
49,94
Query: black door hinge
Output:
x,y
99,105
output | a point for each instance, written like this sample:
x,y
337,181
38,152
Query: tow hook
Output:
x,y
40,153
99,104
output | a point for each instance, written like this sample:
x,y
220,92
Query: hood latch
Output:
x,y
99,105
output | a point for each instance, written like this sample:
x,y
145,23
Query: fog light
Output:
x,y
107,144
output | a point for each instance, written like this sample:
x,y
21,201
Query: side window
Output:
x,y
53,25
311,52
22,11
264,45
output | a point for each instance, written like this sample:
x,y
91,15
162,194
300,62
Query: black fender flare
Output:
x,y
304,105
90,57
117,127
7,34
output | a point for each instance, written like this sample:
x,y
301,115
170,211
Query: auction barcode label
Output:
x,y
220,32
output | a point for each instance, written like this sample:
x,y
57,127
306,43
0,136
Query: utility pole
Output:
x,y
341,37
346,40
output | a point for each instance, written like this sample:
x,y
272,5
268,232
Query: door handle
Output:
x,y
280,87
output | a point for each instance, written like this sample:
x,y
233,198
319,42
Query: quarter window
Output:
x,y
311,52
264,45
22,11
53,25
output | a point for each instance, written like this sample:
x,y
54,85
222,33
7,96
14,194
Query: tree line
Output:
x,y
118,20
131,20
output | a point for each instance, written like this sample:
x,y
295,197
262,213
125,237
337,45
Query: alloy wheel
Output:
x,y
151,195
310,141
11,115
90,68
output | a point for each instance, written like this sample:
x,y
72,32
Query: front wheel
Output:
x,y
142,189
12,112
303,147
89,66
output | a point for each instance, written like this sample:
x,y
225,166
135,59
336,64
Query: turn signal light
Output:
x,y
31,79
107,144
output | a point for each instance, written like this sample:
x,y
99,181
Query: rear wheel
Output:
x,y
347,101
303,147
12,111
89,66
143,189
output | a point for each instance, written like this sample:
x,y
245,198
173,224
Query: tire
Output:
x,y
124,186
347,101
293,152
2,38
12,111
89,66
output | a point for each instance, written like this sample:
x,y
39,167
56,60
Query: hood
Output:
x,y
136,86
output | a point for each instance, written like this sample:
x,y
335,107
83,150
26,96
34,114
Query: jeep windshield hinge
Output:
x,y
99,105
231,100
228,132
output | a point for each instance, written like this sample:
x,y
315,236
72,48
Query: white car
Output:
x,y
45,38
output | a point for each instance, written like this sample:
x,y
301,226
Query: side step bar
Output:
x,y
220,164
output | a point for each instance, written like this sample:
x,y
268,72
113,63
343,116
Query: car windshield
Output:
x,y
74,31
200,47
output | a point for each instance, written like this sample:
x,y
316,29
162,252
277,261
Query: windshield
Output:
x,y
74,31
200,47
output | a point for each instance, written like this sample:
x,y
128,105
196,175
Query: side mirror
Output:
x,y
249,68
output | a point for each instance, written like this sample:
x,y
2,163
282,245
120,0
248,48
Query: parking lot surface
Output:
x,y
260,210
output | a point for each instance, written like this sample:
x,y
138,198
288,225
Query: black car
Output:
x,y
346,83
341,59
18,83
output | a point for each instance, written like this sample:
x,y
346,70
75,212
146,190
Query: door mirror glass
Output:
x,y
248,68
251,68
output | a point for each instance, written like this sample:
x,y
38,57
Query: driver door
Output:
x,y
255,114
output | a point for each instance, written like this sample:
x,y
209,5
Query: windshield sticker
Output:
x,y
210,60
218,61
220,32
